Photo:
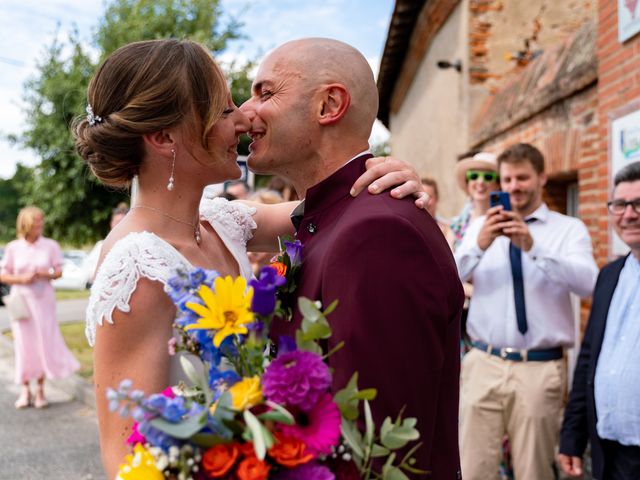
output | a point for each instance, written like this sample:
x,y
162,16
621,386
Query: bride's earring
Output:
x,y
173,167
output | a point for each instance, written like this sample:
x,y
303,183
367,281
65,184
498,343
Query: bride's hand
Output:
x,y
386,172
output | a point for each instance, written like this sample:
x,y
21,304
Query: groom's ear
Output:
x,y
160,142
335,101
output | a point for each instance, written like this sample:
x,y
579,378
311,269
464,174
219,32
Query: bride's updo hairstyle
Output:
x,y
142,88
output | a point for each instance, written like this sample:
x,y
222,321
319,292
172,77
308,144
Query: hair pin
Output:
x,y
92,118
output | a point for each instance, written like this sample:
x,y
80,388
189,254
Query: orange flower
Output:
x,y
219,459
252,468
289,451
281,268
247,450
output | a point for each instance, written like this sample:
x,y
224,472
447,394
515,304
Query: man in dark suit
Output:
x,y
604,405
313,106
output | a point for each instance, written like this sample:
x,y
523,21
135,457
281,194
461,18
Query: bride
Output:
x,y
161,110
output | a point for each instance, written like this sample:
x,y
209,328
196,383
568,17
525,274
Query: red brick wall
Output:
x,y
567,135
618,85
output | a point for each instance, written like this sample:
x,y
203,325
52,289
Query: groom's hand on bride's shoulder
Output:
x,y
387,172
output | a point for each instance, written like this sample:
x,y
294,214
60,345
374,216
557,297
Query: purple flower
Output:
x,y
264,290
308,471
296,379
294,251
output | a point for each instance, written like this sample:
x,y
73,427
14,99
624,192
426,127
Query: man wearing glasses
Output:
x,y
524,264
604,405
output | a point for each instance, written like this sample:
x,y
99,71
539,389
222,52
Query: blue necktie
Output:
x,y
515,256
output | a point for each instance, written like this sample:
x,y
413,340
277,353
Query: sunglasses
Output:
x,y
486,176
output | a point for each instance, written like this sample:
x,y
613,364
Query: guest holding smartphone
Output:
x,y
29,264
524,264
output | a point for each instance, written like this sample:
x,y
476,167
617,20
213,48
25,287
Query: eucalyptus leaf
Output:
x,y
183,429
366,394
307,345
193,369
394,473
353,438
378,451
315,330
410,422
369,428
331,307
398,437
255,427
309,309
277,417
282,411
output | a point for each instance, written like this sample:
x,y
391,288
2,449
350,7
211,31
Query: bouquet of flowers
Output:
x,y
246,412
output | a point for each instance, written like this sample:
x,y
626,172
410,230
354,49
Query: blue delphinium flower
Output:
x,y
264,290
221,380
174,410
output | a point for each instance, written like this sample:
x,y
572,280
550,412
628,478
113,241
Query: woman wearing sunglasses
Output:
x,y
476,176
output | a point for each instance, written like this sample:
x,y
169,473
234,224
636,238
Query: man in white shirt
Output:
x,y
523,265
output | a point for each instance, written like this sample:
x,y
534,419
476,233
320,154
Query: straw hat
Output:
x,y
480,161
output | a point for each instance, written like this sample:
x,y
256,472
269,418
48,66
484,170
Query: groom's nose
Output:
x,y
248,108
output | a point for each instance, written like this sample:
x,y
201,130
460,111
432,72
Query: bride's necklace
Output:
x,y
195,226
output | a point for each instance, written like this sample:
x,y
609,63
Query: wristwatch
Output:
x,y
51,272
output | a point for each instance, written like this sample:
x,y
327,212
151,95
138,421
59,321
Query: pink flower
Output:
x,y
319,429
136,437
296,379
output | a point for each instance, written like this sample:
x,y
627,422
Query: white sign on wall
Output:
x,y
625,149
628,19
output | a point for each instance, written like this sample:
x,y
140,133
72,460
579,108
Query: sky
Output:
x,y
30,26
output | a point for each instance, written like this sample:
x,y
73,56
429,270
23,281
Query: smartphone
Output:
x,y
500,198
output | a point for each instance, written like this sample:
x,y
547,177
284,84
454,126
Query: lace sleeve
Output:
x,y
235,218
134,256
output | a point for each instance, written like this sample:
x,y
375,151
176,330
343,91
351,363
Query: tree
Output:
x,y
11,201
76,204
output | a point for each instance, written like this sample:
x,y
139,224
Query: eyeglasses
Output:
x,y
487,176
618,207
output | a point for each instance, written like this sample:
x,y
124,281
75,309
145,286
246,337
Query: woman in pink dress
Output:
x,y
29,265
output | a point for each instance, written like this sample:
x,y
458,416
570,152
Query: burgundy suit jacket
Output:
x,y
400,301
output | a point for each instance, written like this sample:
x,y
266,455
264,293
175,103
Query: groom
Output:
x,y
312,108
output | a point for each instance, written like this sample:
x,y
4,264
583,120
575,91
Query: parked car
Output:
x,y
74,274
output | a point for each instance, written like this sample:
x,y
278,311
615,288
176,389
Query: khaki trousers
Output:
x,y
523,399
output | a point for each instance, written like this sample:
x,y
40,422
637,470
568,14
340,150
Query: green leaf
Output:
x,y
193,368
309,309
183,429
332,306
398,437
378,451
366,394
315,330
353,438
285,415
307,345
262,439
393,473
369,428
410,422
345,399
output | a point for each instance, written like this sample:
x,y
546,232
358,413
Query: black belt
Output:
x,y
521,355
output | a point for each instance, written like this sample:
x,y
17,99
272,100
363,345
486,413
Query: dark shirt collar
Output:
x,y
335,187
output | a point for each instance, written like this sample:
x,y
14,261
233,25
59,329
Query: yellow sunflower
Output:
x,y
227,310
139,466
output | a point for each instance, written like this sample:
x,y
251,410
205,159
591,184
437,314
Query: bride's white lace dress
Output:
x,y
144,254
